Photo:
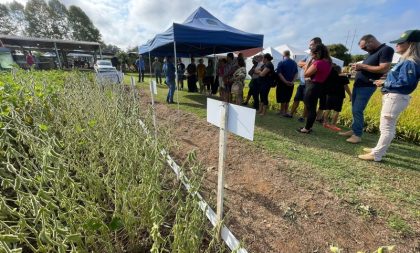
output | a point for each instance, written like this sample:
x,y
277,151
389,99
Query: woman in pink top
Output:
x,y
318,71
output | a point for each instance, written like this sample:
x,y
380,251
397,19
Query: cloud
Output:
x,y
133,22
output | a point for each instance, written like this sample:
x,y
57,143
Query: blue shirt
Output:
x,y
140,64
288,68
170,71
402,78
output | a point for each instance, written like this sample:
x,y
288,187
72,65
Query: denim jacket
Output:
x,y
402,78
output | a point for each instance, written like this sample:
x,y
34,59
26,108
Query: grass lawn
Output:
x,y
327,158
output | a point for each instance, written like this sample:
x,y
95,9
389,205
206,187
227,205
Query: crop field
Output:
x,y
78,173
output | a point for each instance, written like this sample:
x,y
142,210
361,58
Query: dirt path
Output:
x,y
270,208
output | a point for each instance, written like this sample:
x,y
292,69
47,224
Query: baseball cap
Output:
x,y
408,36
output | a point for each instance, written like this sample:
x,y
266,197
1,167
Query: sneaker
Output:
x,y
326,125
348,133
302,130
368,150
367,157
287,116
354,139
334,128
301,119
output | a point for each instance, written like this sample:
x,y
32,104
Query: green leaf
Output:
x,y
115,224
43,127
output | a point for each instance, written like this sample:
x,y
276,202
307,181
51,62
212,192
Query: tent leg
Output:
x,y
176,75
150,68
100,51
58,56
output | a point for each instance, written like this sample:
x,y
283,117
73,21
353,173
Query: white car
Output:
x,y
105,72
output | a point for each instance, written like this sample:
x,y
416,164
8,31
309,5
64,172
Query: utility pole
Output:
x,y
354,35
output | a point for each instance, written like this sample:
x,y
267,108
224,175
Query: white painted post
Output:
x,y
176,75
153,108
222,155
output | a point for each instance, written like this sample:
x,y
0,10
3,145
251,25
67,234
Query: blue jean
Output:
x,y
171,91
359,100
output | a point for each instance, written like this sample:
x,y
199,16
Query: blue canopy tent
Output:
x,y
199,35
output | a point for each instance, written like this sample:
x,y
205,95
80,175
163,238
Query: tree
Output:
x,y
17,18
6,26
39,21
81,25
357,57
340,51
59,18
112,49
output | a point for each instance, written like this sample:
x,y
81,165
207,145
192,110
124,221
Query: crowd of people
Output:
x,y
322,87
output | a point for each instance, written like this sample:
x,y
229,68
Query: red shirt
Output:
x,y
323,69
29,60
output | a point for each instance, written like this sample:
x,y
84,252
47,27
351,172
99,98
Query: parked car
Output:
x,y
105,72
6,60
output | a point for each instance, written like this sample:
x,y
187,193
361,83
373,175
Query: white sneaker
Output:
x,y
354,139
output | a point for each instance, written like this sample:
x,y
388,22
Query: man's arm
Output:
x,y
381,69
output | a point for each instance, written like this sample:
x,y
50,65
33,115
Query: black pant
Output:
x,y
312,93
215,85
141,75
192,86
256,94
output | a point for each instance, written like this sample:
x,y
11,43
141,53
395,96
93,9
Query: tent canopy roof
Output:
x,y
200,34
18,42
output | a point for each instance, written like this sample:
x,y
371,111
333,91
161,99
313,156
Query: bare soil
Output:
x,y
268,205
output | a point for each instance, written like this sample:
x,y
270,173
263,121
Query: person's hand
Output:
x,y
360,66
379,83
290,83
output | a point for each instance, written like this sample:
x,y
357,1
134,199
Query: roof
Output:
x,y
201,34
12,41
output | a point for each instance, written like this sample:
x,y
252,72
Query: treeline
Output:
x,y
51,19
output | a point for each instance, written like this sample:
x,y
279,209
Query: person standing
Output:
x,y
239,81
157,69
318,72
400,82
229,68
181,74
192,76
209,79
30,60
287,71
257,64
376,64
140,68
264,84
300,93
170,79
201,74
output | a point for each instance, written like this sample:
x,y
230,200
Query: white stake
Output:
x,y
222,156
153,108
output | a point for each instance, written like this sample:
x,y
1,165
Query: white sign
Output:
x,y
153,88
241,120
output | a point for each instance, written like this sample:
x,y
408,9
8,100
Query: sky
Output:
x,y
129,23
